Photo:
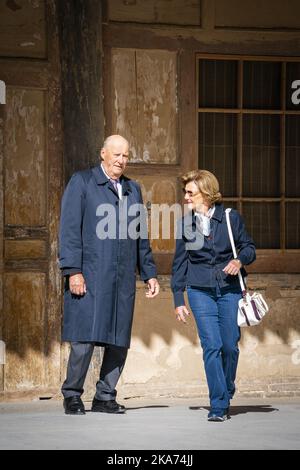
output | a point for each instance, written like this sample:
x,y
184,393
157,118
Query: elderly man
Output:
x,y
100,273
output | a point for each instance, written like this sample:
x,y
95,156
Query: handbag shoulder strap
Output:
x,y
227,212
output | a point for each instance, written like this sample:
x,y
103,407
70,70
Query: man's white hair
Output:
x,y
111,139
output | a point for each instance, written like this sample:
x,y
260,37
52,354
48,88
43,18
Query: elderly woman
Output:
x,y
209,273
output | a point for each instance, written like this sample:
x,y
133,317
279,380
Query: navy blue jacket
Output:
x,y
105,313
203,267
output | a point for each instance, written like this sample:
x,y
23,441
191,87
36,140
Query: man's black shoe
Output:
x,y
107,406
74,406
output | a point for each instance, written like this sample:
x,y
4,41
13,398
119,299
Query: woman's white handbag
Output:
x,y
252,307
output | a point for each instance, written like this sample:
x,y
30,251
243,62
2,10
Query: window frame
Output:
x,y
280,260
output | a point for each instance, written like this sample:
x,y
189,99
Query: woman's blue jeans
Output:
x,y
215,312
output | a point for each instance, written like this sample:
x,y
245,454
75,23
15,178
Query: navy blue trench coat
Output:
x,y
105,313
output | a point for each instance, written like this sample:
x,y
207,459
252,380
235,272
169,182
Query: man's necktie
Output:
x,y
115,184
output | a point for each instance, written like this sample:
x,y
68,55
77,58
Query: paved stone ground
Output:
x,y
165,423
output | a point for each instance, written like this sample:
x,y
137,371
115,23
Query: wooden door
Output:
x,y
30,147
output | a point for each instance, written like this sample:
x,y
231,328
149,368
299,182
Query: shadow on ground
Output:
x,y
237,410
140,407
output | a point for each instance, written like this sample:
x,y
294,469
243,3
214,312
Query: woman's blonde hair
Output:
x,y
206,182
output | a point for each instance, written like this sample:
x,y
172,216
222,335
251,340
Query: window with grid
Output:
x,y
249,137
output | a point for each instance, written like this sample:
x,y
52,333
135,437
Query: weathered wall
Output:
x,y
149,50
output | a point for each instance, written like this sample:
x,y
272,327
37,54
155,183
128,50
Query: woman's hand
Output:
x,y
153,288
181,312
233,267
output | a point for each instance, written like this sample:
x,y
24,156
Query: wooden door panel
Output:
x,y
24,330
25,159
143,90
25,249
123,92
23,28
157,105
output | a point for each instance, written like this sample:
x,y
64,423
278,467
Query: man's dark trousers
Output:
x,y
79,360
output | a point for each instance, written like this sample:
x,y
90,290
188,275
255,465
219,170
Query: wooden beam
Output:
x,y
277,45
25,73
276,263
20,232
28,265
188,115
272,262
81,57
160,169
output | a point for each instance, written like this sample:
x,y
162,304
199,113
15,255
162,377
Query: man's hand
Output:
x,y
233,267
181,312
77,284
153,288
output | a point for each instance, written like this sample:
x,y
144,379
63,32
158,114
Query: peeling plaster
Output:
x,y
27,44
35,3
